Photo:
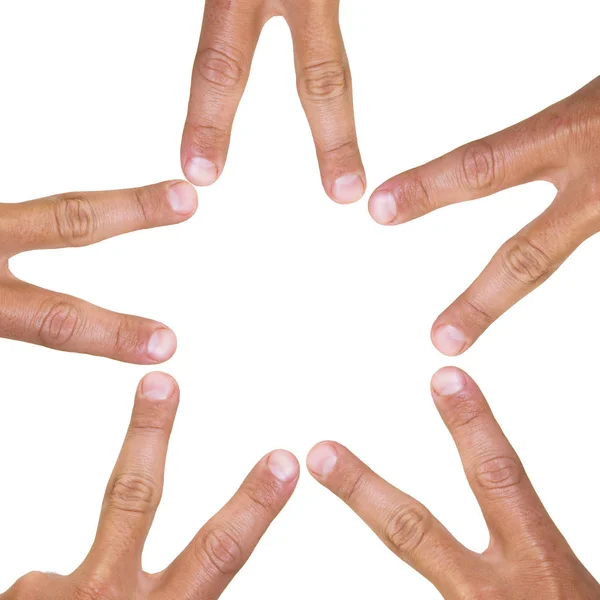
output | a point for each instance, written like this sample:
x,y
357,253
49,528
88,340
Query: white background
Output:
x,y
297,319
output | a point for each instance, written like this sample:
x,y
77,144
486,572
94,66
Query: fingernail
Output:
x,y
201,171
382,207
448,381
348,188
322,459
162,345
283,465
182,198
157,386
449,340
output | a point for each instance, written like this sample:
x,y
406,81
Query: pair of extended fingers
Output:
x,y
519,525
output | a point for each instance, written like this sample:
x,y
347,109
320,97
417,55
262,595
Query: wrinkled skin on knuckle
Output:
x,y
526,262
499,475
481,167
59,321
133,493
205,136
223,68
129,337
261,496
462,411
411,193
219,551
95,588
351,484
324,81
75,220
407,528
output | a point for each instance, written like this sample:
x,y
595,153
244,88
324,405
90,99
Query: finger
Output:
x,y
37,316
230,33
81,219
135,487
517,155
404,525
224,544
509,503
325,89
519,267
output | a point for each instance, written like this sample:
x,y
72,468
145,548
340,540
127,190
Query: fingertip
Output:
x,y
183,198
322,459
449,340
383,208
162,345
283,465
448,381
201,171
158,386
348,188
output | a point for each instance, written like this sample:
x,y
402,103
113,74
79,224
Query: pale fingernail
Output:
x,y
348,189
182,198
449,340
448,381
201,171
283,465
157,386
162,345
382,207
322,459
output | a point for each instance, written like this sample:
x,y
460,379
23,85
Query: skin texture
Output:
x,y
230,33
38,316
112,570
527,558
560,145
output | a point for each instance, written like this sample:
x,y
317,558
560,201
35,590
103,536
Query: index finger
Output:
x,y
519,154
222,547
404,525
135,487
510,505
83,218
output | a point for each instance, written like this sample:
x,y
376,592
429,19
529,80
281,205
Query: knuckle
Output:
x,y
220,551
128,336
59,321
261,496
95,588
351,486
465,412
206,136
526,262
325,81
499,474
29,586
222,68
412,192
133,493
407,528
480,166
75,220
477,313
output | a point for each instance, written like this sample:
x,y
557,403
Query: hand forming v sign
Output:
x,y
527,557
230,33
112,569
38,316
560,145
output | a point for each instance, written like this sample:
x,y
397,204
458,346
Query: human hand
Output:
x,y
560,145
527,556
205,568
230,33
31,314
